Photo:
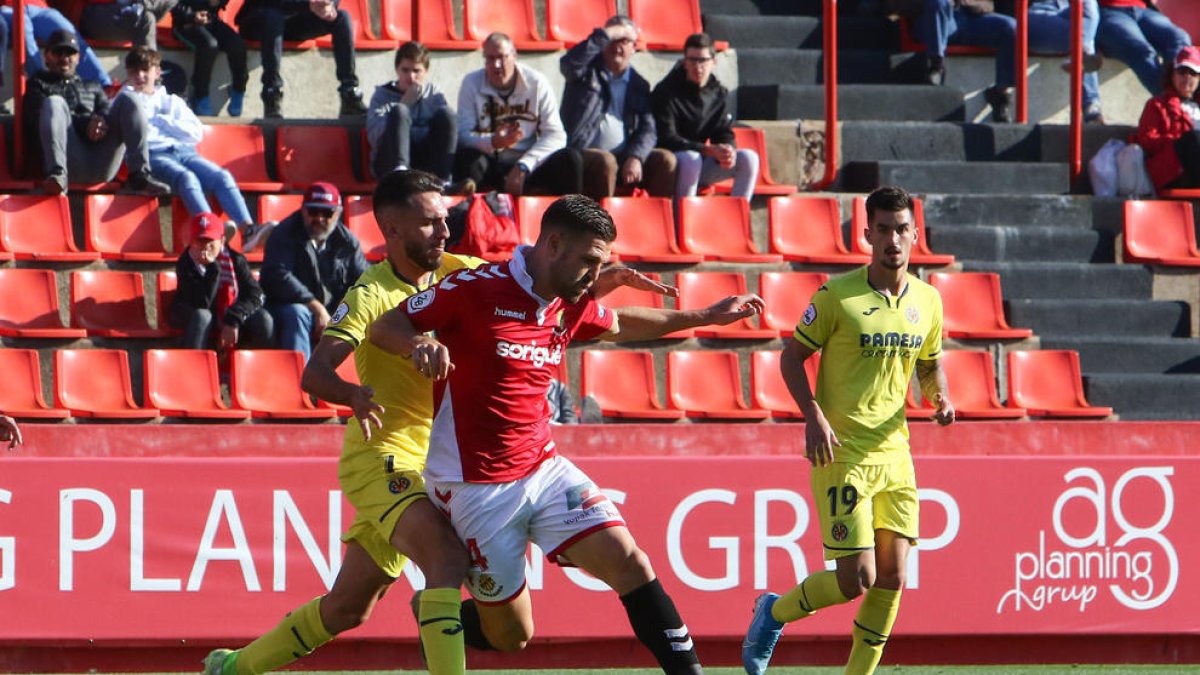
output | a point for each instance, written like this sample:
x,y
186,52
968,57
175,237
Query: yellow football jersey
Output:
x,y
406,395
869,344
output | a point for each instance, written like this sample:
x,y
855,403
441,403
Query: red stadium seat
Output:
x,y
110,304
708,384
124,227
572,21
913,409
718,228
665,24
920,255
240,149
96,383
787,295
1160,233
167,285
435,26
360,220
622,383
364,37
267,383
529,216
809,230
21,395
397,19
30,306
768,391
972,382
646,230
184,383
38,227
1049,383
308,154
752,138
278,207
698,290
515,18
972,307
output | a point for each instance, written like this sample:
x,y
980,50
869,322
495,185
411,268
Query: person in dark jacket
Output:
x,y
691,111
608,116
216,288
311,260
273,21
976,23
1167,130
77,131
198,24
409,122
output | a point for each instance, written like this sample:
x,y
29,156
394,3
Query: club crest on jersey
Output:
x,y
339,313
810,315
399,486
584,496
839,531
912,314
420,301
560,326
485,584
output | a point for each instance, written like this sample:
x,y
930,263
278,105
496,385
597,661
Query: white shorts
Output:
x,y
554,507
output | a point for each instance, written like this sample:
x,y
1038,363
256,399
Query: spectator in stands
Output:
x,y
607,112
78,131
216,288
40,22
1167,131
691,111
510,136
10,432
562,403
133,21
970,22
174,133
1050,33
311,260
273,21
198,24
409,121
1135,33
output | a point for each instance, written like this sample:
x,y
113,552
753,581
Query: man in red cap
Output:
x,y
216,289
310,261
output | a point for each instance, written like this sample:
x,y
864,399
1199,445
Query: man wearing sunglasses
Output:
x,y
311,260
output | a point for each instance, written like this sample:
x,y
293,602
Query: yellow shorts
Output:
x,y
380,493
854,500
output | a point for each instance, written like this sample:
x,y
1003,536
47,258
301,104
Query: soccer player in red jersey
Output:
x,y
492,466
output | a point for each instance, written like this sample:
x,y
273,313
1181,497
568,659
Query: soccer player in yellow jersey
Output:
x,y
873,327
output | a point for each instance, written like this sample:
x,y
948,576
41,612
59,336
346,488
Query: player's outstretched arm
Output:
x,y
819,439
932,378
614,276
394,333
10,432
321,380
647,323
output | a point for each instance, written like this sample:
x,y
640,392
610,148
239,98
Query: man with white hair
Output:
x,y
607,112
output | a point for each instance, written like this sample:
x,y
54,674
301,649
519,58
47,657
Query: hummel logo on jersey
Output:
x,y
538,356
510,314
871,311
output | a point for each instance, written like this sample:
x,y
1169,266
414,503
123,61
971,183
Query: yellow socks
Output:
x,y
815,592
871,629
440,623
296,636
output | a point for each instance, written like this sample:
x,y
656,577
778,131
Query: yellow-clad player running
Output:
x,y
380,467
873,327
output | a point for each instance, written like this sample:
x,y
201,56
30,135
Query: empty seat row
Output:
x,y
107,303
177,383
708,384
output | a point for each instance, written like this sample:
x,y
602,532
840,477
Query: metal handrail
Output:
x,y
1022,58
830,56
18,45
1076,133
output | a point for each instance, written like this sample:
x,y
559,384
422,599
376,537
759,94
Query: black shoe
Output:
x,y
999,99
55,183
465,188
143,182
935,74
352,104
273,106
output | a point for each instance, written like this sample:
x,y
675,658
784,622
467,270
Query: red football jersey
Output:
x,y
491,421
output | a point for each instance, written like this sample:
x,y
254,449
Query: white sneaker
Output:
x,y
255,235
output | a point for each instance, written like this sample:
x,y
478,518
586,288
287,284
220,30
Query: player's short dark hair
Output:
x,y
142,58
698,41
888,198
413,51
399,187
577,214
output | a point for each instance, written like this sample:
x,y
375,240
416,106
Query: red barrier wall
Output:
x,y
167,537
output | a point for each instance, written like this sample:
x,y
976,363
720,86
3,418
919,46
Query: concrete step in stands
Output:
x,y
762,7
1061,211
1145,396
1132,318
965,177
943,141
1159,355
924,103
801,32
1068,281
760,66
1019,243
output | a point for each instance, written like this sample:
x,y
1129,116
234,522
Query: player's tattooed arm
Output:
x,y
321,380
394,333
934,389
